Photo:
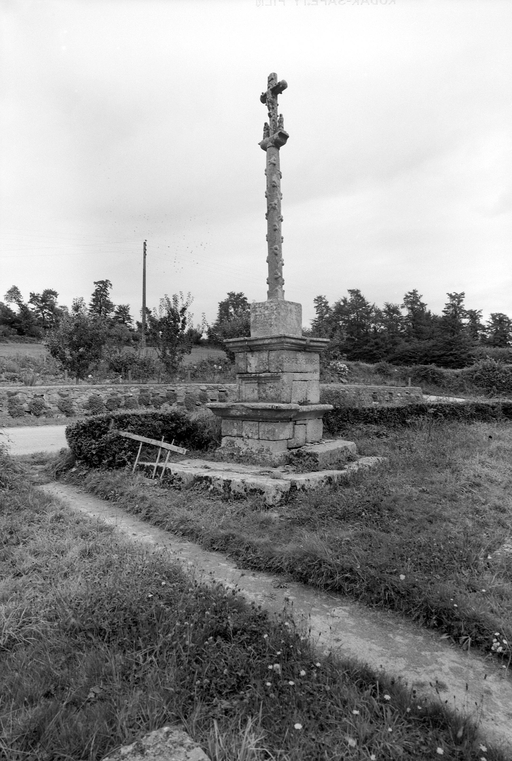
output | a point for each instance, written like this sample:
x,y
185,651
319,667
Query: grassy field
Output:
x,y
125,643
22,349
14,350
425,536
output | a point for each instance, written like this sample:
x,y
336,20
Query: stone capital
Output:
x,y
278,343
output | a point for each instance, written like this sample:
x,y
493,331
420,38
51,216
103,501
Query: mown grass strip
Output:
x,y
101,642
422,537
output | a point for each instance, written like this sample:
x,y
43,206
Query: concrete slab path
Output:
x,y
477,686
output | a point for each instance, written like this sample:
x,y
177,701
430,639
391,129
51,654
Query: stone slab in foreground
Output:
x,y
166,744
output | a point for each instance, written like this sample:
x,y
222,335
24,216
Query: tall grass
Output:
x,y
423,536
101,642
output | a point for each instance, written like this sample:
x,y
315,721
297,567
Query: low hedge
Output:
x,y
96,443
337,420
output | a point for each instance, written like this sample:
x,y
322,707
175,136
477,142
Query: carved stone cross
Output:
x,y
274,137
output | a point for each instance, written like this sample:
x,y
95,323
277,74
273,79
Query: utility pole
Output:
x,y
143,335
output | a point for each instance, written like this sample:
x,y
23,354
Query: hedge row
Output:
x,y
95,441
337,420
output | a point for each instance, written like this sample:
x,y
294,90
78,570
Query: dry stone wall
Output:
x,y
83,400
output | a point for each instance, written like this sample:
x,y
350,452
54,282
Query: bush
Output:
x,y
209,370
95,404
113,402
65,405
500,353
337,420
96,443
37,407
130,364
426,374
15,407
492,376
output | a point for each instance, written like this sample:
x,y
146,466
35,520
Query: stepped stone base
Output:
x,y
275,485
269,429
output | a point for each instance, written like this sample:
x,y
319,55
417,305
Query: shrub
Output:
x,y
385,370
491,375
209,425
113,403
337,371
500,353
130,402
15,406
65,405
95,404
209,370
145,398
426,374
37,406
339,418
96,443
129,364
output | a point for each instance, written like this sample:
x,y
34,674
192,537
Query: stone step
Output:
x,y
324,455
275,485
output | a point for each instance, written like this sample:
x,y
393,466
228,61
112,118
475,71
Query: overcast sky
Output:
x,y
125,120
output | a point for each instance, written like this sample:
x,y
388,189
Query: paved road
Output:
x,y
41,438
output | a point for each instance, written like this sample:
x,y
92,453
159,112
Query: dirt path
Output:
x,y
466,681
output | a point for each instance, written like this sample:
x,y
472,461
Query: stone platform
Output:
x,y
275,485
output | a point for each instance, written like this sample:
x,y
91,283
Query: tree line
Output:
x,y
404,334
81,336
408,333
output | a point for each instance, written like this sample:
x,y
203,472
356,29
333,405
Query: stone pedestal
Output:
x,y
278,374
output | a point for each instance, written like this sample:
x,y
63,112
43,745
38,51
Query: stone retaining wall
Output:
x,y
345,395
82,400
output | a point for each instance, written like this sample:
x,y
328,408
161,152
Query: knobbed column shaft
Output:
x,y
275,262
274,137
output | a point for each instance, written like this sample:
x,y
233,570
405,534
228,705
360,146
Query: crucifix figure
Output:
x,y
274,137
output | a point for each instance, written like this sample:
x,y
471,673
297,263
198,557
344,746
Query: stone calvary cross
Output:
x,y
274,137
277,410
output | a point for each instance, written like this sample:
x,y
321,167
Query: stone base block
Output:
x,y
275,318
270,429
282,388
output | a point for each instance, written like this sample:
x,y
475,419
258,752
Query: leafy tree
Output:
x,y
233,318
390,327
25,323
8,320
499,330
474,325
452,343
353,326
101,303
13,296
122,316
167,330
418,319
77,342
78,306
321,326
45,308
